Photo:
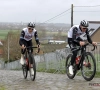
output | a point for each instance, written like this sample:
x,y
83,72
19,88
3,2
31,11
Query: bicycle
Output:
x,y
85,61
29,60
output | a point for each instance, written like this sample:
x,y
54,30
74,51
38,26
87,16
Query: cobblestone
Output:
x,y
14,80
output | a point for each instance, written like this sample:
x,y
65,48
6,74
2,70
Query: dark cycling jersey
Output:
x,y
74,35
26,36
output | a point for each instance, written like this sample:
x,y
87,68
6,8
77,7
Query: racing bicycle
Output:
x,y
29,63
84,61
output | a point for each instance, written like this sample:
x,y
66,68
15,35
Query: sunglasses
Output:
x,y
84,28
30,28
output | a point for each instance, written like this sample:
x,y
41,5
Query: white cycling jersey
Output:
x,y
79,32
28,36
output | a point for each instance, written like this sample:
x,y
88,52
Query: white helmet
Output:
x,y
84,23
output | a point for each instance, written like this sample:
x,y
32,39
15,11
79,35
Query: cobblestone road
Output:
x,y
13,80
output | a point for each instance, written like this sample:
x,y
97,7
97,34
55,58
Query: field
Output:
x,y
56,33
3,33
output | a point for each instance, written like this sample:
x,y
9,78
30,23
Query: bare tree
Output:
x,y
11,47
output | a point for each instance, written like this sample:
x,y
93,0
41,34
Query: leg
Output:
x,y
72,47
72,62
22,52
73,57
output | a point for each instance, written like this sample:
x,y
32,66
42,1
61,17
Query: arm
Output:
x,y
74,36
88,37
36,38
22,38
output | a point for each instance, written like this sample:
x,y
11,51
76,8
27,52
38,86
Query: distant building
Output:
x,y
55,42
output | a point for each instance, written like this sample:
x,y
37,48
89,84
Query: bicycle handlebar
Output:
x,y
80,47
92,45
33,47
94,48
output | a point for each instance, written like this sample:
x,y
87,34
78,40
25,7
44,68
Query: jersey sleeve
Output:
x,y
36,38
74,34
88,37
22,37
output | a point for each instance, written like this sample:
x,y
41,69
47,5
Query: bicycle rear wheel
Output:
x,y
32,75
25,70
68,63
88,67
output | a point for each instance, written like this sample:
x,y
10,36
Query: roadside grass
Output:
x,y
59,68
2,87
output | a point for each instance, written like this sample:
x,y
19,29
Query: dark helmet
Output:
x,y
31,25
84,23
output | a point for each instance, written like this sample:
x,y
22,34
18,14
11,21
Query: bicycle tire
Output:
x,y
88,66
34,68
25,70
68,59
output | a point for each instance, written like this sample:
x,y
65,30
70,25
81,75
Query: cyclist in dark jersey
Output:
x,y
74,39
26,39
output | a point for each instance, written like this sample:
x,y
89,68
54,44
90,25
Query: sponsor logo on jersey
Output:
x,y
28,36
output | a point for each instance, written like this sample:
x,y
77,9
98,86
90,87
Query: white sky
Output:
x,y
43,10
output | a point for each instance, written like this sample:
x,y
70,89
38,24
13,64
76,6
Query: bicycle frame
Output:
x,y
28,53
27,57
82,55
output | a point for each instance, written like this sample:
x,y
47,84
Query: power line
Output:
x,y
86,11
56,16
88,6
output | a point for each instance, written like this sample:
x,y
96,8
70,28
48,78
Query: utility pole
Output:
x,y
71,15
8,47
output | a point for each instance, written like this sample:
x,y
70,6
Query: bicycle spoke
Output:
x,y
25,71
88,67
32,69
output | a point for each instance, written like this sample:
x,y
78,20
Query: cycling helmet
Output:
x,y
84,23
31,25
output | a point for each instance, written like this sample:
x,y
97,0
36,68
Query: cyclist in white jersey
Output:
x,y
74,39
26,39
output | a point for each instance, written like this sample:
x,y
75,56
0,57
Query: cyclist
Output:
x,y
74,39
26,40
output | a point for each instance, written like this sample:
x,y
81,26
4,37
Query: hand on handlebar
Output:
x,y
82,43
94,43
38,46
23,46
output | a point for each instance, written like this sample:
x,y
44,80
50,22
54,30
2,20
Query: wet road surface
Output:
x,y
13,80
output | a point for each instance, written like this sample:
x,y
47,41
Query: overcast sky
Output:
x,y
43,10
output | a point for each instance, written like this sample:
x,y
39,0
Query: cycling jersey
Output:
x,y
25,35
74,35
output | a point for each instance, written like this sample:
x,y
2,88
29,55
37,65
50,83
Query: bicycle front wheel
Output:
x,y
25,70
88,66
32,69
